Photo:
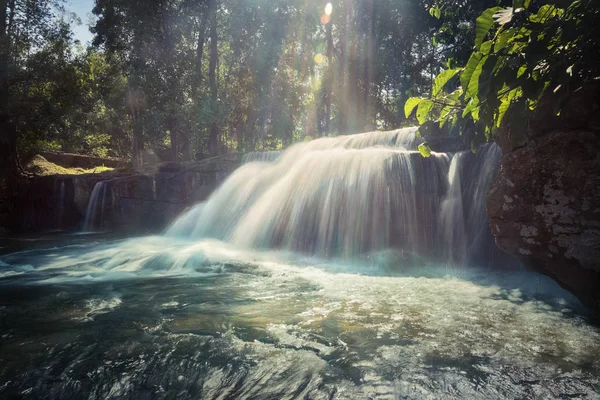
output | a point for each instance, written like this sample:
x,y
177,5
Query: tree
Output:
x,y
536,50
213,143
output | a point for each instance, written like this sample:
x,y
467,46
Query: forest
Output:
x,y
188,79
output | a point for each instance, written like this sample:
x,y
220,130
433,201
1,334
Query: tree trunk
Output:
x,y
329,79
369,64
174,136
137,142
343,105
213,139
199,53
10,171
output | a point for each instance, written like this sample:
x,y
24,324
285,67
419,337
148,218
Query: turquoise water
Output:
x,y
156,317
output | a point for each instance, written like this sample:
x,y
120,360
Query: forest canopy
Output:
x,y
526,54
186,79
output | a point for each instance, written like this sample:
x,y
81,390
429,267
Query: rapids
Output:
x,y
341,268
161,317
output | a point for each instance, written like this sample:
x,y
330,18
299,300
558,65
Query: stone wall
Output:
x,y
544,207
149,202
141,202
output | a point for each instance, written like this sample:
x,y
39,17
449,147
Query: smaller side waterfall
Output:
x,y
95,207
463,216
452,218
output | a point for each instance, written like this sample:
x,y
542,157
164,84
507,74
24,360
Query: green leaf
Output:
x,y
502,40
442,79
473,86
485,77
410,105
465,76
423,110
425,150
486,47
445,115
435,12
506,101
546,12
473,104
483,25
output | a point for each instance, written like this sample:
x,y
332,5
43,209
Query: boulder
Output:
x,y
544,207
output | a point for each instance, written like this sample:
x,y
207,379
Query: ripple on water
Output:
x,y
203,321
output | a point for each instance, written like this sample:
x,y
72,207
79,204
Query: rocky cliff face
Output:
x,y
148,202
143,202
544,207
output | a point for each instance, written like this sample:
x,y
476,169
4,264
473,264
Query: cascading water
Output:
x,y
95,207
264,156
463,217
351,196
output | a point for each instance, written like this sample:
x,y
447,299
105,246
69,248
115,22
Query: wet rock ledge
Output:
x,y
544,206
143,202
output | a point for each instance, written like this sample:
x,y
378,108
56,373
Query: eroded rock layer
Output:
x,y
544,209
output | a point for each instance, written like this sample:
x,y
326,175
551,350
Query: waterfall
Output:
x,y
351,196
95,207
479,179
452,218
263,156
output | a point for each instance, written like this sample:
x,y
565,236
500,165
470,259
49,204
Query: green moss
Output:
x,y
42,167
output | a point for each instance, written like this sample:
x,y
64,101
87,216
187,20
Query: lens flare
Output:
x,y
328,9
319,58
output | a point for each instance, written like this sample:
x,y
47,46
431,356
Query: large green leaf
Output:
x,y
445,115
423,110
485,78
502,39
465,76
410,105
483,25
442,79
473,104
473,86
435,12
505,104
425,150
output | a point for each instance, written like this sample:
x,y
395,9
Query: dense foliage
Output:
x,y
524,53
190,78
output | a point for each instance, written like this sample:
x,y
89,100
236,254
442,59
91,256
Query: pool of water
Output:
x,y
158,317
